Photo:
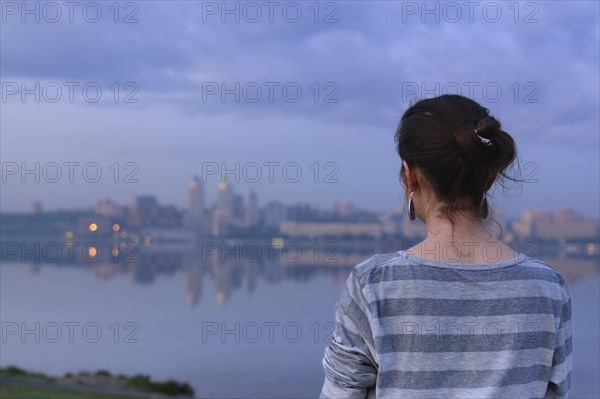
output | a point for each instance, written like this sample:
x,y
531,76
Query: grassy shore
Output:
x,y
41,393
16,383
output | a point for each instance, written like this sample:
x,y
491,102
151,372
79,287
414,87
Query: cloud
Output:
x,y
365,61
369,53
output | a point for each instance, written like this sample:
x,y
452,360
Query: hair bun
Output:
x,y
488,127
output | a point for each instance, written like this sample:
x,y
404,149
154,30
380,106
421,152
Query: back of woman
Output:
x,y
424,329
459,315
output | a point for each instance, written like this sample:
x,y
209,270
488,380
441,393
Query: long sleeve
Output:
x,y
559,385
349,365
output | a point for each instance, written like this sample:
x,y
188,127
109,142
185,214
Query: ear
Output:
x,y
490,182
411,176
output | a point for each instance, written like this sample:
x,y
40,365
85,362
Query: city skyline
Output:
x,y
514,199
212,201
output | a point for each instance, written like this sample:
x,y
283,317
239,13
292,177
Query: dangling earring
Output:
x,y
411,207
484,207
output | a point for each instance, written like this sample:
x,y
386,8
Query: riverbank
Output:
x,y
16,383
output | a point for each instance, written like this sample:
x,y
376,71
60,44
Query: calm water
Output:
x,y
246,330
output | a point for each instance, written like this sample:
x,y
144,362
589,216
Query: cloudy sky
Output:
x,y
303,96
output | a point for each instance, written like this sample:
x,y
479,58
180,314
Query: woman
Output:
x,y
460,314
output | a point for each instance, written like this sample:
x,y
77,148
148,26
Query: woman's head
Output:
x,y
452,151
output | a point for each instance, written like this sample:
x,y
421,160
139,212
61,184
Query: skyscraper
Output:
x,y
238,206
225,202
195,198
252,209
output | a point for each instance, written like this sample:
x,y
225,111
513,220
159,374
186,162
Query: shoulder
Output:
x,y
540,269
543,269
376,262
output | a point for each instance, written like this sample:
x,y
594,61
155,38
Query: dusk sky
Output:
x,y
535,65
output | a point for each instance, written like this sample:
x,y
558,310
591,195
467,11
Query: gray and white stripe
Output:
x,y
410,328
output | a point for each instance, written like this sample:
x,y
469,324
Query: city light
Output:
x,y
277,242
116,227
93,227
92,252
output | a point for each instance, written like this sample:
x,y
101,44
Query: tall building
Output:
x,y
144,204
143,211
274,213
221,220
225,201
238,206
252,215
146,212
195,198
303,212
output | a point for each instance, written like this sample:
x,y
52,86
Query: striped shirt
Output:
x,y
413,328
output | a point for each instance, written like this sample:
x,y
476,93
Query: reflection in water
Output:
x,y
238,269
195,278
250,278
107,270
34,268
573,269
223,274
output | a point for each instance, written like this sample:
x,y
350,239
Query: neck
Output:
x,y
467,240
464,230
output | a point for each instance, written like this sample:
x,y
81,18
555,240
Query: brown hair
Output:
x,y
458,147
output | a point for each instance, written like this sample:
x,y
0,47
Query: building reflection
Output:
x,y
573,269
33,267
195,277
107,270
250,277
224,275
233,268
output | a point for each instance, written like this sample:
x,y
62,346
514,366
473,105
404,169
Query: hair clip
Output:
x,y
483,139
